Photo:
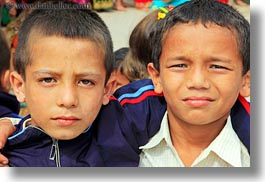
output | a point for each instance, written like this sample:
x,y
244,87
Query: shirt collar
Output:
x,y
163,133
226,145
26,123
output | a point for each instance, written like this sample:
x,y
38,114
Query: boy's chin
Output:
x,y
65,135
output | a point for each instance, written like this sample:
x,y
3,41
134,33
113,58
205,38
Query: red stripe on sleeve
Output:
x,y
112,98
139,99
245,103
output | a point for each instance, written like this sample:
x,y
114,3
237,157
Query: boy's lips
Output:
x,y
195,101
65,120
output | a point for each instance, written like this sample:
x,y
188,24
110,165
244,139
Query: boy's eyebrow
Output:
x,y
90,74
178,58
211,59
41,72
224,60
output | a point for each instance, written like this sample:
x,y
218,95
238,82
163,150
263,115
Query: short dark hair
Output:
x,y
120,55
204,11
5,56
71,22
139,43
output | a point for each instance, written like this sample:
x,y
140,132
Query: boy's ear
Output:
x,y
245,88
109,88
18,86
155,76
5,80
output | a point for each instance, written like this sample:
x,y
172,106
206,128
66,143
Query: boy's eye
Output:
x,y
86,82
47,80
179,66
218,67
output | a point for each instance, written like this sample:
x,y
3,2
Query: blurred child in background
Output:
x,y
127,69
139,40
9,106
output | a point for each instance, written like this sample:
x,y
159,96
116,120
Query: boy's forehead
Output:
x,y
36,36
198,37
193,25
53,47
198,26
35,40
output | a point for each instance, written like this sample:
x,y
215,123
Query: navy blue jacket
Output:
x,y
127,122
9,106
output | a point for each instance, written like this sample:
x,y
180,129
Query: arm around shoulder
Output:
x,y
6,129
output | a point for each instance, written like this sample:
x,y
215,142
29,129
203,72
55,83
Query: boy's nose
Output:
x,y
198,79
67,97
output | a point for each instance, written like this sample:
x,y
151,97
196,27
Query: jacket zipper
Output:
x,y
55,154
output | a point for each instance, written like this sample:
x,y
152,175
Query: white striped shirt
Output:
x,y
226,150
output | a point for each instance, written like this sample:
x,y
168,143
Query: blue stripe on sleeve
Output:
x,y
137,93
19,133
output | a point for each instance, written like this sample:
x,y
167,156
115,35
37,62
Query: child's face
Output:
x,y
121,80
200,73
64,87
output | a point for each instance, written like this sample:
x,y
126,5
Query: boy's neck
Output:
x,y
190,140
